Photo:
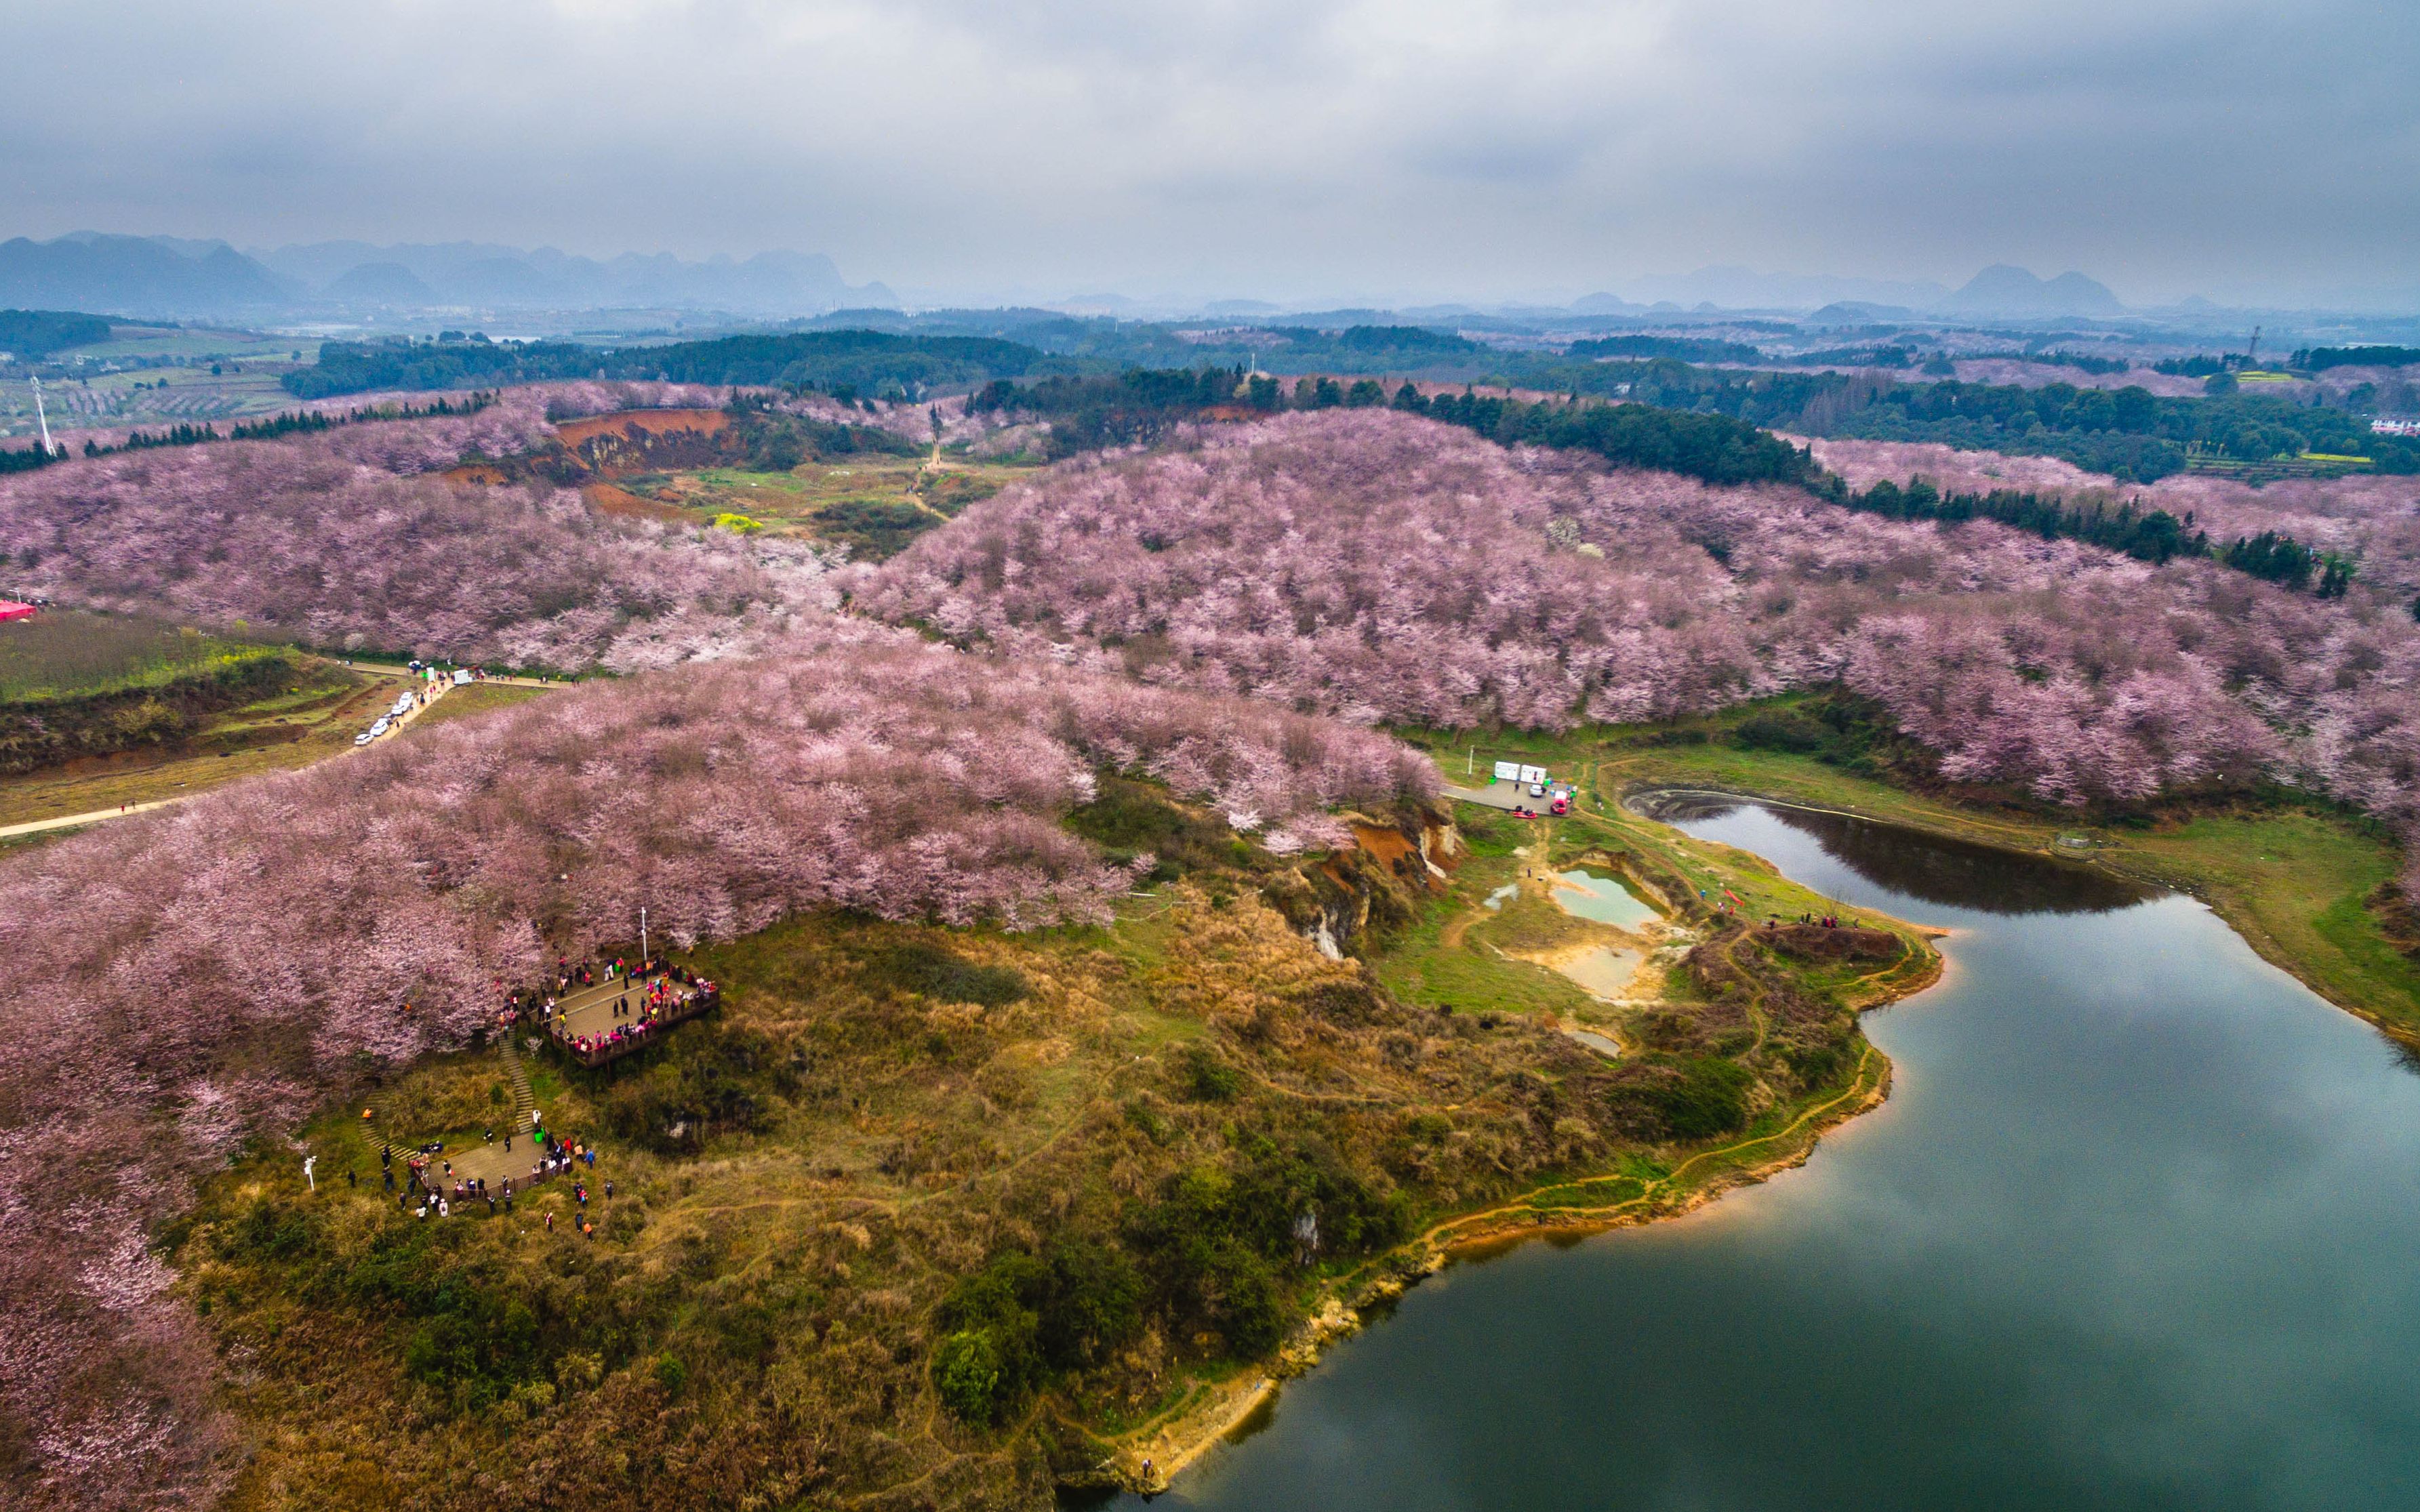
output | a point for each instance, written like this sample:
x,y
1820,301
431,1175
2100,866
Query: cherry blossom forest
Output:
x,y
1236,612
1384,569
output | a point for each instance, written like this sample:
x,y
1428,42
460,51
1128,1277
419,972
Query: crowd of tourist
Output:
x,y
431,1189
654,995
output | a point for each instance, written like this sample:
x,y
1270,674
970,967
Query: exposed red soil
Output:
x,y
1388,845
572,433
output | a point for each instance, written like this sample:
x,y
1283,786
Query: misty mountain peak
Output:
x,y
2005,289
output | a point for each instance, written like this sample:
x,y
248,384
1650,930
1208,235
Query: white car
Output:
x,y
379,729
364,738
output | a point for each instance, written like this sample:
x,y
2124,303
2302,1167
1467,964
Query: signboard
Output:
x,y
1533,773
1508,771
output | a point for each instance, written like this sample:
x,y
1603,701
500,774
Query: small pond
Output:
x,y
1608,899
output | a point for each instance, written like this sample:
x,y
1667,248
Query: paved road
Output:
x,y
1505,796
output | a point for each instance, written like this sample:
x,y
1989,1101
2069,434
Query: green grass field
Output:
x,y
467,703
874,504
314,718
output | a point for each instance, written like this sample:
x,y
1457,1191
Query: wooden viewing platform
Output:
x,y
590,1013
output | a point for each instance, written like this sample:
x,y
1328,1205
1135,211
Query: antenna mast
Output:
x,y
43,416
2252,358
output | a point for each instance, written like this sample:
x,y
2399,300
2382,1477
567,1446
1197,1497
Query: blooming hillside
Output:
x,y
1383,567
183,981
323,538
2374,517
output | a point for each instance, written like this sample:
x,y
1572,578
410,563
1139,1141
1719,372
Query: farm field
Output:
x,y
107,387
68,653
196,343
280,735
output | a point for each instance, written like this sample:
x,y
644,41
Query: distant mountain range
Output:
x,y
166,276
1999,291
482,275
1741,288
135,275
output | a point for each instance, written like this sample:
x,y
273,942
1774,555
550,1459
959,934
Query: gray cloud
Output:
x,y
1398,148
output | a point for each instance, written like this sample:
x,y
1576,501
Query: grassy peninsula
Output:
x,y
949,1216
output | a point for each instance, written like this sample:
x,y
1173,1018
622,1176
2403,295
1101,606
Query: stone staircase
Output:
x,y
523,1102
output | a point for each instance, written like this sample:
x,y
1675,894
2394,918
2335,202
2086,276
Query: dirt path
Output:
x,y
77,820
916,489
1452,936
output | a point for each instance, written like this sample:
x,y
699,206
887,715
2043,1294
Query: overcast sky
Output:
x,y
1395,150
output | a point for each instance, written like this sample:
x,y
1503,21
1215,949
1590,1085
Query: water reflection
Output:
x,y
2134,1233
1609,900
1933,868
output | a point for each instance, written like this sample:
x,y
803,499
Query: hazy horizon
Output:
x,y
1330,151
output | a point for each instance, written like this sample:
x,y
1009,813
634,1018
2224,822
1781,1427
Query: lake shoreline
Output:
x,y
1218,1408
2233,904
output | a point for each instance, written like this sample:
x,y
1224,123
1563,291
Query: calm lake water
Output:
x,y
2139,1228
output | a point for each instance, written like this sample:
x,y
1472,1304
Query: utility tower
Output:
x,y
42,417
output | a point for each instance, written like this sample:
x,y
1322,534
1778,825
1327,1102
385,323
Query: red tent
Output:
x,y
11,610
